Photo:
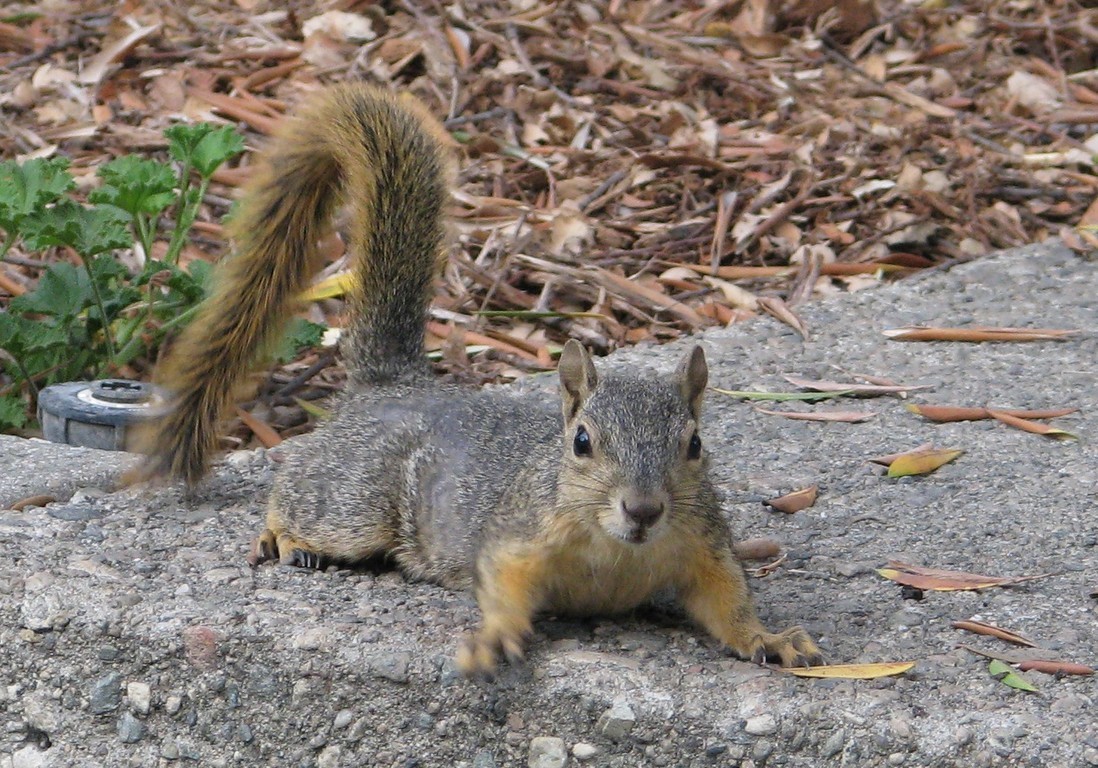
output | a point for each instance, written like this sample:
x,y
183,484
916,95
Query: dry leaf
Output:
x,y
947,413
981,628
922,461
757,549
939,580
891,457
921,333
261,429
795,501
853,671
778,308
1053,667
1031,426
858,389
846,417
40,500
97,68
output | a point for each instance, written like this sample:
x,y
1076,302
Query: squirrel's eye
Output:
x,y
695,449
581,445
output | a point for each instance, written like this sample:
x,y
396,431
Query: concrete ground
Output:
x,y
133,633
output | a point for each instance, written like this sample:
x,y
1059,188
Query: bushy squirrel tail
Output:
x,y
388,156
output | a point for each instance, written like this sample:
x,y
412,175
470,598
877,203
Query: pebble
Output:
x,y
343,718
329,757
583,751
391,666
760,725
616,722
834,743
42,610
200,647
173,704
484,759
547,752
28,757
140,697
106,694
130,729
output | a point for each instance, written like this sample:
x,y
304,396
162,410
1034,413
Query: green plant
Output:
x,y
87,321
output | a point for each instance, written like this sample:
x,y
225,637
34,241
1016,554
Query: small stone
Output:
x,y
834,743
329,757
484,759
391,666
106,694
583,751
43,609
140,697
28,757
343,718
897,758
130,729
169,750
173,704
200,647
760,725
1090,754
616,722
547,752
762,750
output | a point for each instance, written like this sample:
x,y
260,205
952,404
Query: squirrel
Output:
x,y
588,508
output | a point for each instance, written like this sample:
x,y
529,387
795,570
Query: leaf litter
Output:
x,y
606,143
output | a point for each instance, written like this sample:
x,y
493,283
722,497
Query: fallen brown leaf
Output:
x,y
939,580
1031,426
946,413
891,457
981,628
261,429
39,500
778,309
857,389
848,417
795,501
919,333
757,549
1051,667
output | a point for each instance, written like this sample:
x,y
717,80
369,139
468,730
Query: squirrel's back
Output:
x,y
388,157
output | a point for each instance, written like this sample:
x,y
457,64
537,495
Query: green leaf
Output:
x,y
1007,676
29,187
88,231
300,335
204,146
63,291
13,412
136,185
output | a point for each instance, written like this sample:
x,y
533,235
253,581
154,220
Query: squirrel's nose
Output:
x,y
643,512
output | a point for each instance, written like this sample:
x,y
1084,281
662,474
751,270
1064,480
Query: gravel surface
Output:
x,y
132,633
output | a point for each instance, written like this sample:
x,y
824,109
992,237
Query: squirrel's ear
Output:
x,y
577,377
693,375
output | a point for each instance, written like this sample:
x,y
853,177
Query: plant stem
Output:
x,y
102,309
176,243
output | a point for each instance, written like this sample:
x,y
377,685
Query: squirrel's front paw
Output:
x,y
478,653
793,648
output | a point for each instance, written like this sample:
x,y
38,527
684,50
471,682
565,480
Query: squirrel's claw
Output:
x,y
792,648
